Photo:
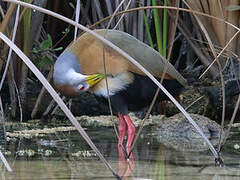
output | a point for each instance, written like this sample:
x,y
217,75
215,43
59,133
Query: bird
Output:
x,y
80,68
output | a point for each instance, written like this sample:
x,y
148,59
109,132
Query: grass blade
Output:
x,y
147,29
157,28
165,29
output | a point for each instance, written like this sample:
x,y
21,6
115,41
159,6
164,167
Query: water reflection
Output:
x,y
73,159
125,165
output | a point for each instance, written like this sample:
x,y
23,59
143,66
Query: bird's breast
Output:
x,y
116,83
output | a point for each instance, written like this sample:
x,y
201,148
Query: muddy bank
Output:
x,y
175,131
202,98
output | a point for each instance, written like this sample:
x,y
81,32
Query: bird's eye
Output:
x,y
82,87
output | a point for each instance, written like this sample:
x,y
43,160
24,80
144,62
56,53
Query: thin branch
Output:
x,y
51,105
2,118
221,52
231,122
123,14
4,23
5,162
160,7
10,50
2,12
198,99
210,43
113,15
78,7
19,101
196,48
41,95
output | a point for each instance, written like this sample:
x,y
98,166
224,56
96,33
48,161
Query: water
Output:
x,y
67,156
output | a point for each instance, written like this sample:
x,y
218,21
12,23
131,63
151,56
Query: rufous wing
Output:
x,y
90,53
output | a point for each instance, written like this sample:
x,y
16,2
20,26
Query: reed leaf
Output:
x,y
165,29
157,28
147,29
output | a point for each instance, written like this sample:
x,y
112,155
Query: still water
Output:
x,y
67,156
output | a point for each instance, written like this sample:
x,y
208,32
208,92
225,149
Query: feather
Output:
x,y
116,83
89,52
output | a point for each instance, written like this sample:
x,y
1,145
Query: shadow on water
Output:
x,y
67,156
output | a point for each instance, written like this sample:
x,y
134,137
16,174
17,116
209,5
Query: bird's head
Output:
x,y
78,84
67,76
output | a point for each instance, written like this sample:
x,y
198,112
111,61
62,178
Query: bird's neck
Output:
x,y
65,65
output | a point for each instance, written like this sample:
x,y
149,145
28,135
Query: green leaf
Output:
x,y
147,29
233,8
50,39
46,44
157,28
45,61
165,30
58,49
35,50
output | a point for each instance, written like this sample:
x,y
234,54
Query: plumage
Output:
x,y
90,55
138,94
80,68
119,82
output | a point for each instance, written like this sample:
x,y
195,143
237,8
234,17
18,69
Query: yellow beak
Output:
x,y
94,79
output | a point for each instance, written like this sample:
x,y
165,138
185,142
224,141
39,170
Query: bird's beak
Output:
x,y
94,79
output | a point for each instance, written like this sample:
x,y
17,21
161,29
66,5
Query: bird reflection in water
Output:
x,y
125,165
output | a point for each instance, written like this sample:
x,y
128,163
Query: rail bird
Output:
x,y
80,68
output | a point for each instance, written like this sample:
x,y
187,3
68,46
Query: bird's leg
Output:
x,y
122,128
131,131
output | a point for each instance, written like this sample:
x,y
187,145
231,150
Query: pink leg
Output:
x,y
121,129
131,131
